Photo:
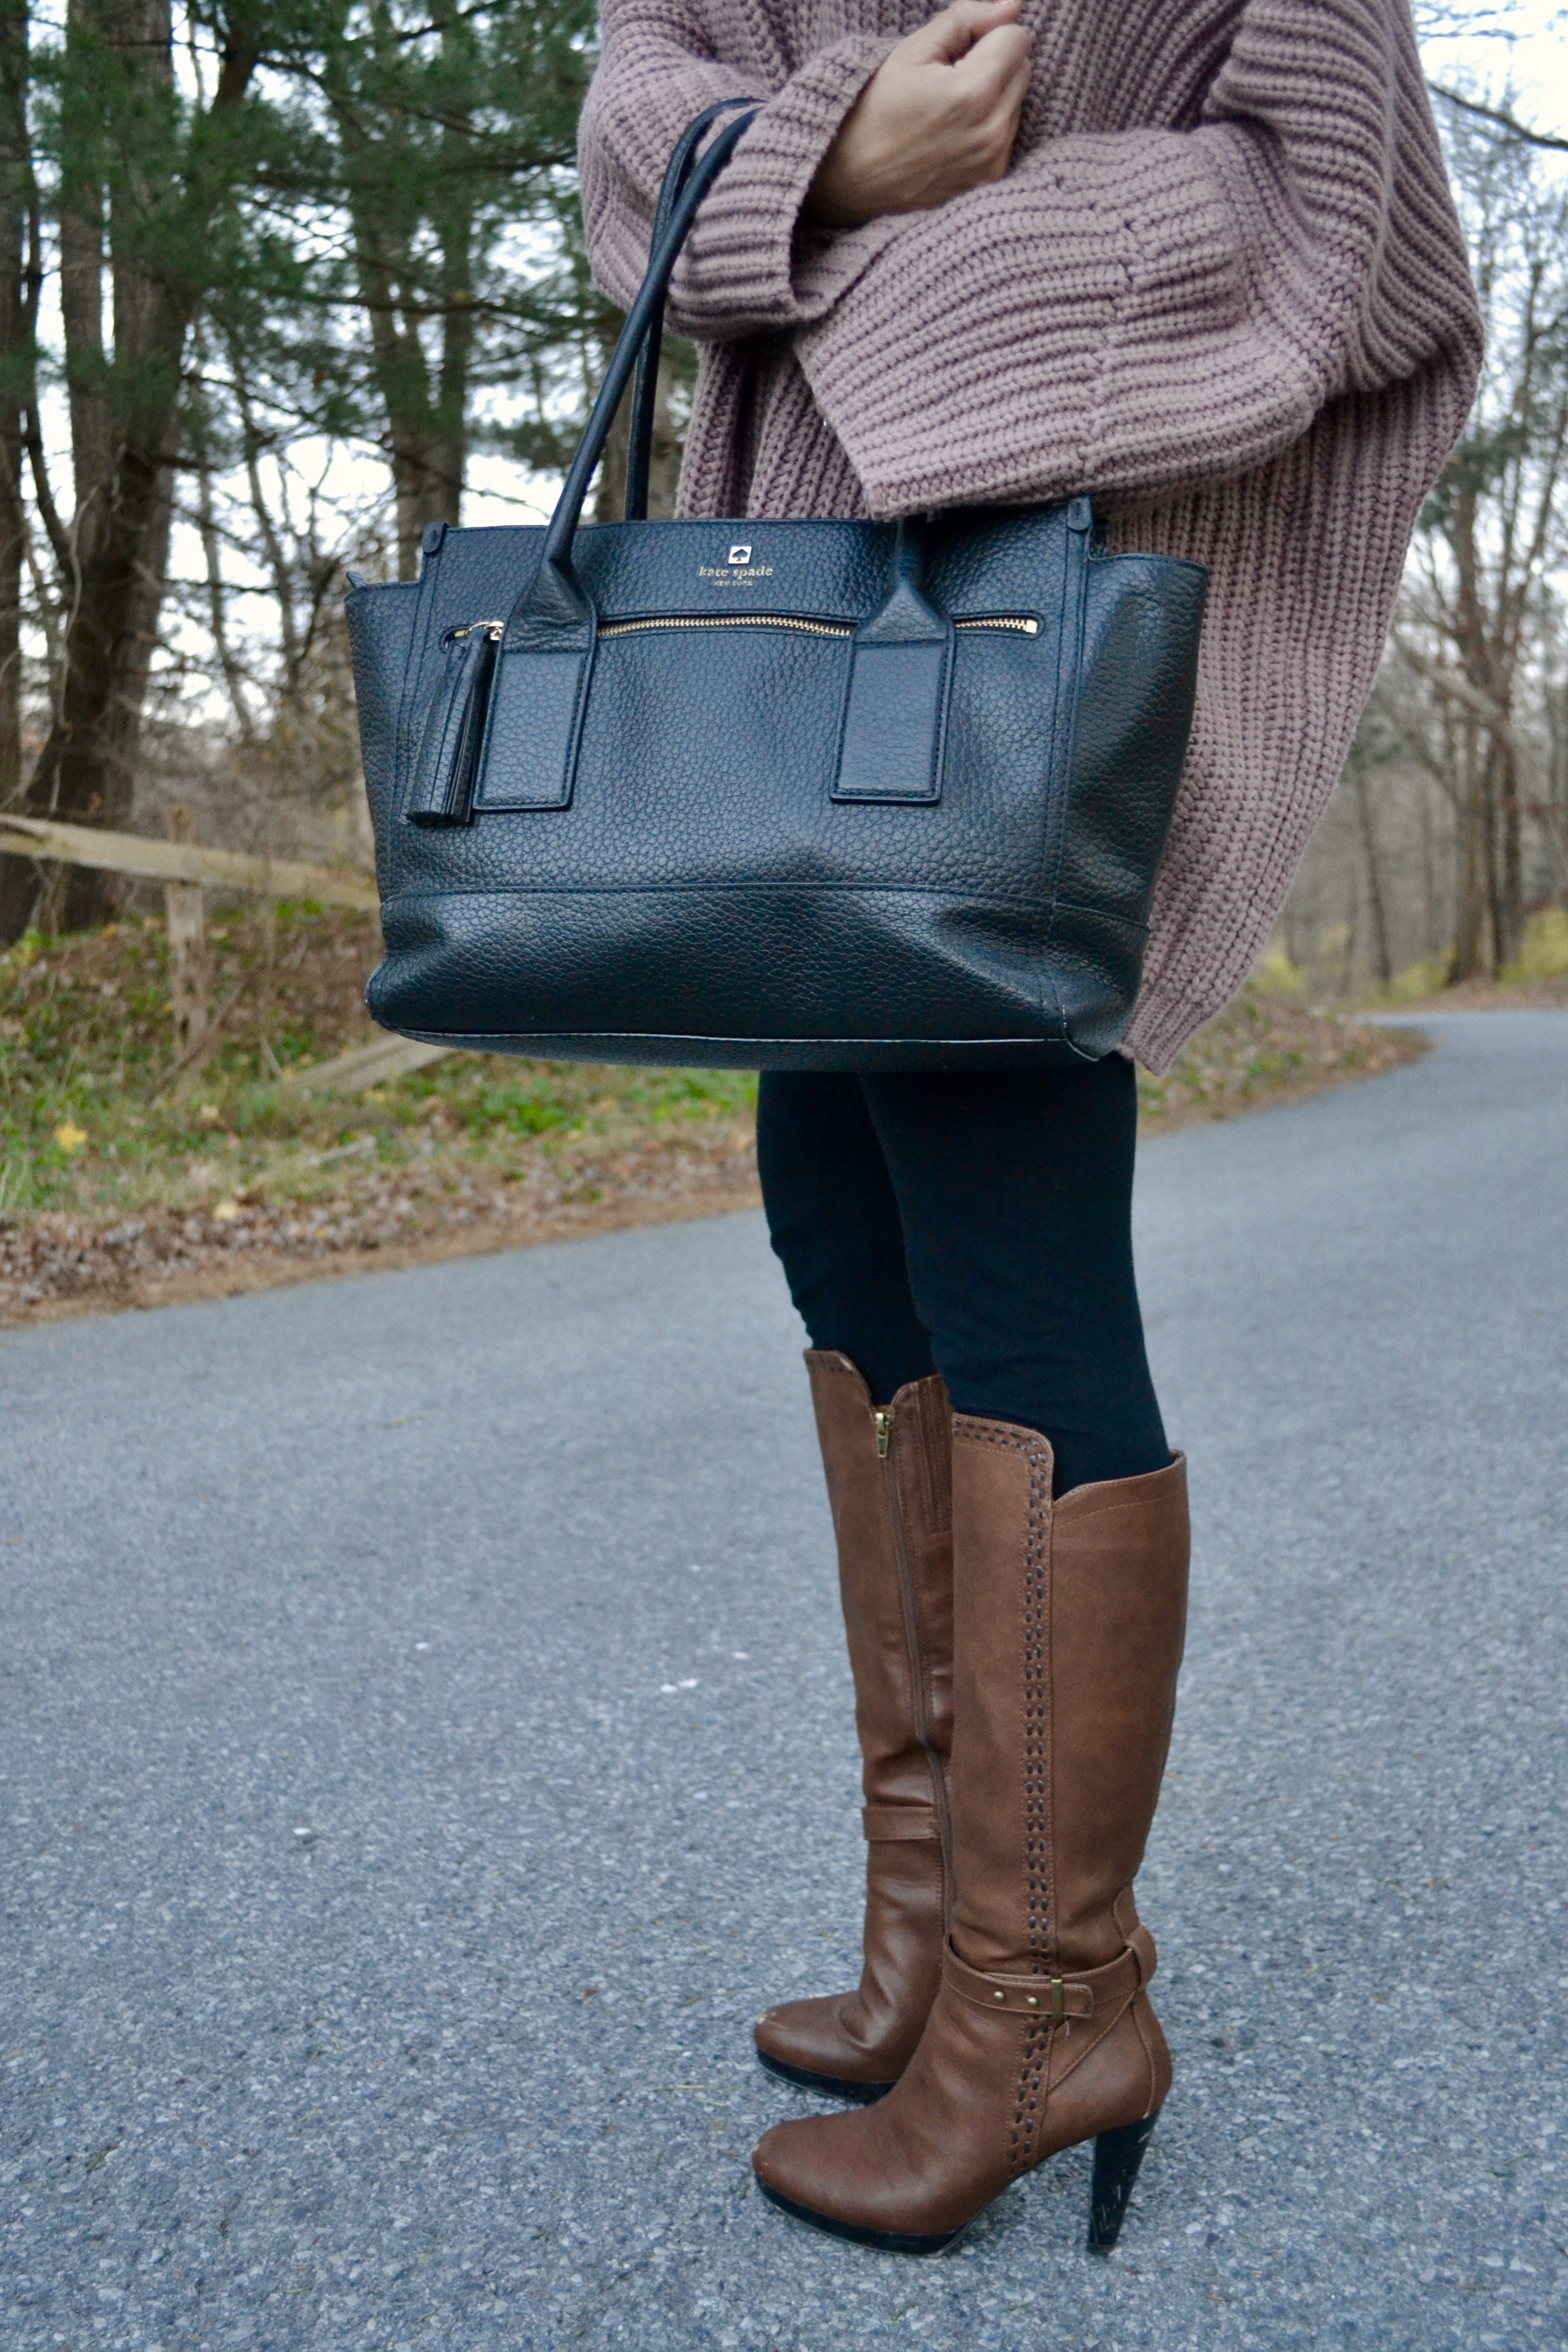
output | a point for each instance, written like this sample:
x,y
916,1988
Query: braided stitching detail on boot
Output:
x,y
1036,1646
1037,1791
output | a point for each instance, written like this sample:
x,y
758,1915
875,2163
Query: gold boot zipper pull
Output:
x,y
883,1415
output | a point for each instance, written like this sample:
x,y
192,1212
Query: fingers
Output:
x,y
956,29
997,65
939,116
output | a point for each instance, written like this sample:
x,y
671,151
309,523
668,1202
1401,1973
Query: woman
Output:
x,y
1196,257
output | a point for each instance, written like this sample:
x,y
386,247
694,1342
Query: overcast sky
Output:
x,y
1527,43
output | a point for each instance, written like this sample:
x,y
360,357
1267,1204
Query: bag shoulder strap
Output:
x,y
554,591
645,394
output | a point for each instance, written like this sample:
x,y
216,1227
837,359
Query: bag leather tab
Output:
x,y
534,717
895,708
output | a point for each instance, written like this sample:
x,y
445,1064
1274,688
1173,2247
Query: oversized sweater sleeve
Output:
x,y
1143,310
741,271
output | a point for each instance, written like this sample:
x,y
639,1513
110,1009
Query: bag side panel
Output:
x,y
380,622
1137,679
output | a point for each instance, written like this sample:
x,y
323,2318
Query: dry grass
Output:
x,y
1546,994
122,1185
1267,1048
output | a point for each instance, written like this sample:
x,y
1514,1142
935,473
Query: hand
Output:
x,y
939,116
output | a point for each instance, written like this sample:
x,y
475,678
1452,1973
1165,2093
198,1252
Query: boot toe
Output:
x,y
823,2169
795,2163
800,2033
809,2042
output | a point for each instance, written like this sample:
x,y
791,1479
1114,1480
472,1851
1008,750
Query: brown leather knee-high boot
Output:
x,y
1069,1624
890,1485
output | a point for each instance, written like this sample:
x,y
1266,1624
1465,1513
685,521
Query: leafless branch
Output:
x,y
1502,119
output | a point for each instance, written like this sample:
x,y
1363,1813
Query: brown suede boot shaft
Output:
x,y
889,1491
1068,1625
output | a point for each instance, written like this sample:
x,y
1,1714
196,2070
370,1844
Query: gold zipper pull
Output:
x,y
883,1415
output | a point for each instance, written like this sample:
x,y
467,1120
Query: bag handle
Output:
x,y
538,679
645,394
555,584
900,667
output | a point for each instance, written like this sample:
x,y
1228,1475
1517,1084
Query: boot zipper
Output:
x,y
882,1416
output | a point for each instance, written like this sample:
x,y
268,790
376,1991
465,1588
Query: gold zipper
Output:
x,y
1021,623
883,1415
730,621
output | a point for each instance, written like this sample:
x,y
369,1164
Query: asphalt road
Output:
x,y
425,1746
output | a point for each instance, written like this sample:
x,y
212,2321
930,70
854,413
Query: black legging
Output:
x,y
978,1225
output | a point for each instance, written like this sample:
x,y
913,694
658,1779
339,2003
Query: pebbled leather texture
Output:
x,y
809,795
685,885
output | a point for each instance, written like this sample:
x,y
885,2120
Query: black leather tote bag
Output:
x,y
788,795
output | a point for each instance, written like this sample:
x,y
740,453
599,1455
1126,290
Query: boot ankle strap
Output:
x,y
1056,1998
898,1821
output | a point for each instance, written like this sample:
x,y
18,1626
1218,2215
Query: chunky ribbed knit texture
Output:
x,y
1221,287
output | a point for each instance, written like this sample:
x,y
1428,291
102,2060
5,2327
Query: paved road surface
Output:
x,y
425,1744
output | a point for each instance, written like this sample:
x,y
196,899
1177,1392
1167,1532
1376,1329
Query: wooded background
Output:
x,y
280,280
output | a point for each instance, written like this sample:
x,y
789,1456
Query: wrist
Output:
x,y
824,209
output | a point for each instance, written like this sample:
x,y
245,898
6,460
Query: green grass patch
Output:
x,y
94,1118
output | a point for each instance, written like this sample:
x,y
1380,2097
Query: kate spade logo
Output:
x,y
737,569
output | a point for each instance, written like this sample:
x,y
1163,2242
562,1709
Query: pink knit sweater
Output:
x,y
1221,287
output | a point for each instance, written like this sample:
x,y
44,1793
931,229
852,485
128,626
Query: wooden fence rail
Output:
x,y
184,861
186,870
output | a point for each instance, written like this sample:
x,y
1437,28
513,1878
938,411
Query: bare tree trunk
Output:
x,y
18,305
21,281
610,482
1353,933
123,416
1374,872
1469,958
426,420
1491,846
1509,920
1430,935
217,587
272,545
